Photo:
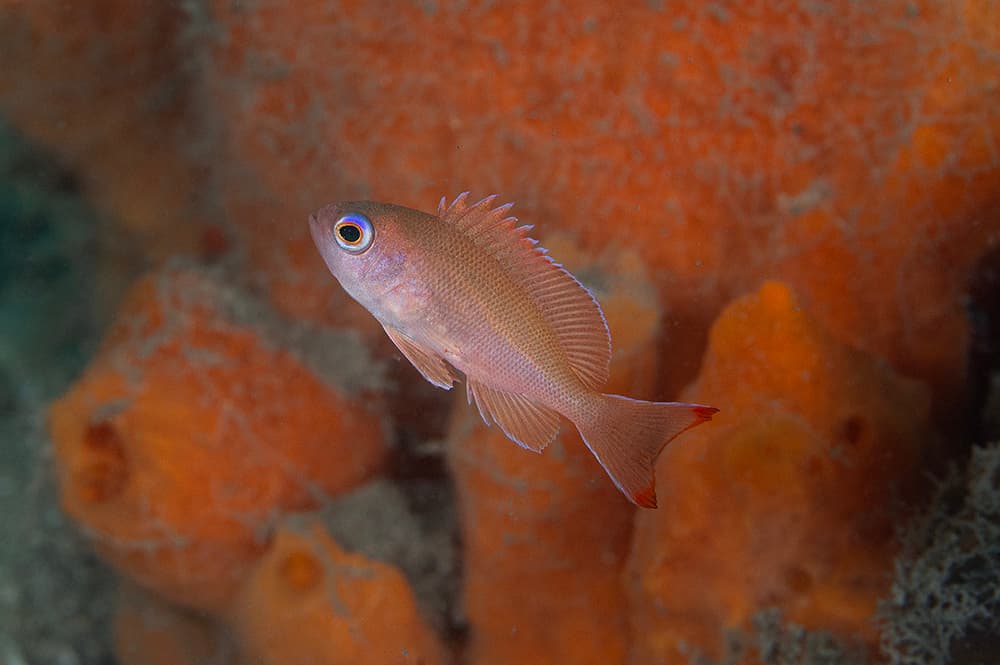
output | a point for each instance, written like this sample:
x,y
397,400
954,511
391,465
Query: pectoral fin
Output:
x,y
428,363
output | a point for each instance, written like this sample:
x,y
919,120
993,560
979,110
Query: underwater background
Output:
x,y
788,209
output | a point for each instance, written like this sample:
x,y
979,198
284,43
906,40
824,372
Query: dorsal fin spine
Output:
x,y
571,310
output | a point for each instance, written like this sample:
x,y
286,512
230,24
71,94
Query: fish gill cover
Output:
x,y
781,206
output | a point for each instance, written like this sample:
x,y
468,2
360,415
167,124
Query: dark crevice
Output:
x,y
984,352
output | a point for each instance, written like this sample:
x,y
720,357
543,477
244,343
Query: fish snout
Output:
x,y
316,231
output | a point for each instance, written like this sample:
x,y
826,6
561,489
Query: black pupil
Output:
x,y
350,233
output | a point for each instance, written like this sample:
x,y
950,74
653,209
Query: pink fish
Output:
x,y
467,289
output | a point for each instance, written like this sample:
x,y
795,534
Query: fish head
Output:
x,y
367,247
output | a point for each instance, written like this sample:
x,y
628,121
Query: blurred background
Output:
x,y
789,209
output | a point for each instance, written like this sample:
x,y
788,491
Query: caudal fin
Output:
x,y
626,436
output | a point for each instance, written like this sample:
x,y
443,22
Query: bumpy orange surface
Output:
x,y
790,498
190,433
847,149
310,602
545,536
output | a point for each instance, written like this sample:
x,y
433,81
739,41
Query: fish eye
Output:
x,y
354,233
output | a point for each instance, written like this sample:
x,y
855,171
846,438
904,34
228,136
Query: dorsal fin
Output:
x,y
566,304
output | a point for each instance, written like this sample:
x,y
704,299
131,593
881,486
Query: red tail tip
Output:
x,y
704,412
646,497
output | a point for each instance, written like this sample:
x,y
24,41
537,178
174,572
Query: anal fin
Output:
x,y
428,363
524,421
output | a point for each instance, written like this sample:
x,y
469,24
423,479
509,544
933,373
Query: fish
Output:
x,y
468,290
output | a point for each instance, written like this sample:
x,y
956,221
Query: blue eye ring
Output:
x,y
354,233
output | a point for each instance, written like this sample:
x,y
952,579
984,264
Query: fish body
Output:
x,y
468,290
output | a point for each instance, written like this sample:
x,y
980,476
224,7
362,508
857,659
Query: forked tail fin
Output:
x,y
626,436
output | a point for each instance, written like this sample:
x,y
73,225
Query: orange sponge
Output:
x,y
308,601
545,536
790,500
850,153
196,427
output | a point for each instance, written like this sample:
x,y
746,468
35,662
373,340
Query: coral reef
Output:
x,y
545,536
945,589
847,150
677,156
791,501
411,525
309,601
191,432
774,642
